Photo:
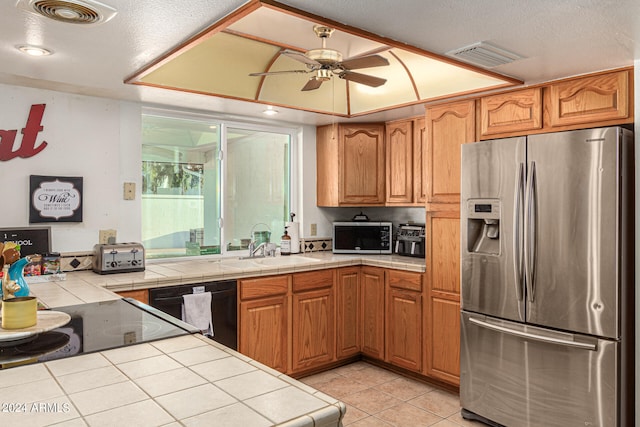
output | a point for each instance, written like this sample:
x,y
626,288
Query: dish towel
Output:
x,y
196,311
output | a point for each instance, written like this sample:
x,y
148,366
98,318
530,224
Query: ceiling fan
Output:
x,y
325,63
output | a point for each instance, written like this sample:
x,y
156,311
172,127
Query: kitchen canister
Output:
x,y
19,312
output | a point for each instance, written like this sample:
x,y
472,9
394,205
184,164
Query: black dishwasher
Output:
x,y
224,306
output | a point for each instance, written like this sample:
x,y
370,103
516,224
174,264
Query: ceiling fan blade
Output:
x,y
364,79
299,56
271,73
312,84
364,62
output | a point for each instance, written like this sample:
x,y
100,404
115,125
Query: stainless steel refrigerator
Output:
x,y
547,279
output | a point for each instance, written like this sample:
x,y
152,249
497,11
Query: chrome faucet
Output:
x,y
253,250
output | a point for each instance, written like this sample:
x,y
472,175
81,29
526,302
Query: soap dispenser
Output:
x,y
285,243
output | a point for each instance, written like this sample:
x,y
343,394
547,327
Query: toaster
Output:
x,y
118,258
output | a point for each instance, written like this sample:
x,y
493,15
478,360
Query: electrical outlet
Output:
x,y
130,337
129,190
107,237
313,229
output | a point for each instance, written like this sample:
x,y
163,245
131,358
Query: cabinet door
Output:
x,y
442,322
313,329
372,311
263,331
419,162
448,126
511,113
361,159
347,312
404,328
589,100
141,295
399,161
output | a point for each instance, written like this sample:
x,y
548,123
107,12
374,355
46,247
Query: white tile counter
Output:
x,y
190,379
160,273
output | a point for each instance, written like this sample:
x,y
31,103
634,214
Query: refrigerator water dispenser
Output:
x,y
483,226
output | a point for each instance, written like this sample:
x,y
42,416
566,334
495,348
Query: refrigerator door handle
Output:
x,y
530,238
530,336
517,235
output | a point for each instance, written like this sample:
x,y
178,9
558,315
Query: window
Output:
x,y
210,186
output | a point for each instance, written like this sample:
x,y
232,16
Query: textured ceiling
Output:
x,y
556,38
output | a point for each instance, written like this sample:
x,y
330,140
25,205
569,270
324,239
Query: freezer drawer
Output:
x,y
520,375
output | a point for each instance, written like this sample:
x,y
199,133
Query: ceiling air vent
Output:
x,y
484,55
70,11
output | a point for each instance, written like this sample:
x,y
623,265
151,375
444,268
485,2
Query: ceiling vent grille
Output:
x,y
484,55
70,11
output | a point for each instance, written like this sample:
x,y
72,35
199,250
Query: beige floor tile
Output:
x,y
371,401
447,423
405,388
320,378
371,376
370,422
405,415
339,387
355,366
440,402
459,421
353,414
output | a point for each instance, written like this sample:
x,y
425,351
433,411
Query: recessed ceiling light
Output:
x,y
33,50
270,111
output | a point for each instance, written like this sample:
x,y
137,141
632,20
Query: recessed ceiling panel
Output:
x,y
219,60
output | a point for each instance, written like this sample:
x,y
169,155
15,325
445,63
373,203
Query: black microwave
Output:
x,y
362,237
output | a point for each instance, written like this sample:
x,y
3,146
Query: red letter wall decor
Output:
x,y
30,131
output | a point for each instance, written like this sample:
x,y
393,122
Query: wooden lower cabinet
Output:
x,y
141,295
372,311
403,319
442,319
264,320
347,312
313,321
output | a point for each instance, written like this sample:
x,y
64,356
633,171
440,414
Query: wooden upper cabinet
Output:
x,y
589,100
512,112
448,126
419,159
350,165
399,161
362,173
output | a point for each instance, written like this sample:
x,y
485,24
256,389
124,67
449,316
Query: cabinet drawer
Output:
x,y
312,280
405,280
263,287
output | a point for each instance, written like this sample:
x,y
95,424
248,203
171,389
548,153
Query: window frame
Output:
x,y
245,123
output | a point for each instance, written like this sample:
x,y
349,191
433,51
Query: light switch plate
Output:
x,y
129,190
313,230
107,237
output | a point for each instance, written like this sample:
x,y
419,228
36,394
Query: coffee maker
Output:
x,y
410,240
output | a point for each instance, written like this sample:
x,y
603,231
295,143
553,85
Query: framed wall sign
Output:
x,y
55,199
32,240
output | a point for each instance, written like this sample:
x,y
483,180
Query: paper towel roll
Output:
x,y
293,228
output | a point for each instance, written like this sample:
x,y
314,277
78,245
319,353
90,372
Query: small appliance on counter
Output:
x,y
410,240
362,237
118,258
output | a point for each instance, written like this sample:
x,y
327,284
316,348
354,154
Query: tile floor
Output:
x,y
376,397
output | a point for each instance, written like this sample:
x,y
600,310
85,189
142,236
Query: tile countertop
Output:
x,y
175,272
189,380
